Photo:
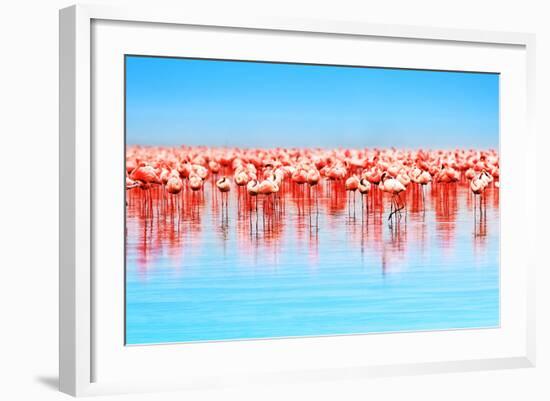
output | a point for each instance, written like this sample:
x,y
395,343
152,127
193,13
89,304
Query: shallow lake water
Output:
x,y
202,267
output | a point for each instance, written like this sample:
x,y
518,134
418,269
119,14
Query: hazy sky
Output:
x,y
172,101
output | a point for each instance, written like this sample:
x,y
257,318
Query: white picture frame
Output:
x,y
78,152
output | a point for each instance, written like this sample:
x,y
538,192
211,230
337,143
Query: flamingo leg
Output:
x,y
423,200
391,213
362,208
256,214
317,208
353,204
263,213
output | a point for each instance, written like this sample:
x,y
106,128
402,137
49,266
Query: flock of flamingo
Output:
x,y
163,175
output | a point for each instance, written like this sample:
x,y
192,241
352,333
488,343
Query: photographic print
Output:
x,y
274,200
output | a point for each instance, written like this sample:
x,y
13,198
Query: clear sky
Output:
x,y
171,101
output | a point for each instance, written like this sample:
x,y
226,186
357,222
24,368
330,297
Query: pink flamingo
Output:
x,y
313,177
253,188
131,183
393,187
351,185
241,177
174,185
422,178
224,185
477,186
364,188
195,182
267,187
146,175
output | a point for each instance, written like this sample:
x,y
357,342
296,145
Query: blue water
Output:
x,y
200,275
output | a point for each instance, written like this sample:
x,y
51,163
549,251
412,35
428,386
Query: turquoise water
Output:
x,y
200,271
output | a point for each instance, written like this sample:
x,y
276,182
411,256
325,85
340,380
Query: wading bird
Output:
x,y
351,185
394,188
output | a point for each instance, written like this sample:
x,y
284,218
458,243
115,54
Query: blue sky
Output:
x,y
171,101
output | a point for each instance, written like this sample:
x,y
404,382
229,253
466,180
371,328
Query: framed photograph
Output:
x,y
272,201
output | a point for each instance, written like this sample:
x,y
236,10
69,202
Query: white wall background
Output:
x,y
29,187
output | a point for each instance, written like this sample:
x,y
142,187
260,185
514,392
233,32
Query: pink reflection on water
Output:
x,y
192,222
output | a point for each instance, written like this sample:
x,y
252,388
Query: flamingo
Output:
x,y
299,176
351,185
394,170
470,173
164,175
146,175
422,178
214,166
224,185
364,188
267,187
393,187
253,188
200,171
486,177
403,178
373,175
195,182
131,183
241,177
447,175
174,185
313,177
477,186
185,170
